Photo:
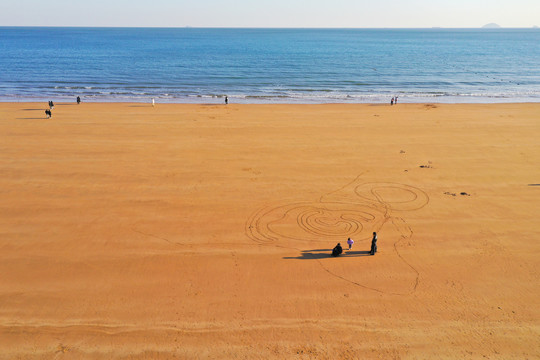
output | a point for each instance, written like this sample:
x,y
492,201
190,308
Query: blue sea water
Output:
x,y
191,65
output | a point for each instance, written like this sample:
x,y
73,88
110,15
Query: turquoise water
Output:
x,y
270,65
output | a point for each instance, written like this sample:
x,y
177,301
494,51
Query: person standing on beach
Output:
x,y
153,102
395,100
48,113
350,242
78,100
373,244
392,101
226,100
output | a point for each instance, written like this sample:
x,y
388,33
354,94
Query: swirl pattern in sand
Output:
x,y
311,222
393,196
355,210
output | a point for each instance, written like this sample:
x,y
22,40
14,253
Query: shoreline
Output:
x,y
232,102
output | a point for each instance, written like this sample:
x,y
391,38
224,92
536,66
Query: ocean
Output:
x,y
202,65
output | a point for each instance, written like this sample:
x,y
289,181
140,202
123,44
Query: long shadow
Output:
x,y
325,253
33,109
41,118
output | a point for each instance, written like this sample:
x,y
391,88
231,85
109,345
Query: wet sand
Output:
x,y
204,231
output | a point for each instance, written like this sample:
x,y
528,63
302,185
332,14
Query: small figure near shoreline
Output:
x,y
226,99
350,242
337,250
51,105
78,100
153,102
392,101
373,244
48,113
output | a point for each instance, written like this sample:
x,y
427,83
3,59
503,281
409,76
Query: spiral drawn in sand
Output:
x,y
353,211
312,222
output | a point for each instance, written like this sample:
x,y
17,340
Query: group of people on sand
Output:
x,y
338,250
393,101
48,112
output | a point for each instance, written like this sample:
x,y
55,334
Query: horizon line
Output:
x,y
262,27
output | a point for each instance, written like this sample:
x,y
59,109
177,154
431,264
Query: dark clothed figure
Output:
x,y
337,250
78,100
374,244
226,100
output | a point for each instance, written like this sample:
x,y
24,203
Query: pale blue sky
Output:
x,y
271,13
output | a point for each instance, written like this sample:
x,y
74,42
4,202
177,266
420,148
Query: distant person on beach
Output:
x,y
78,100
395,100
350,242
392,101
373,244
337,250
226,100
48,113
153,102
51,105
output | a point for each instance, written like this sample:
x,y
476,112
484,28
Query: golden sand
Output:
x,y
203,231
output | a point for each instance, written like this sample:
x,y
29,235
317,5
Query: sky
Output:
x,y
271,13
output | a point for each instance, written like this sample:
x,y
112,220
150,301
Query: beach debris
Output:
x,y
449,193
62,349
402,151
426,166
464,193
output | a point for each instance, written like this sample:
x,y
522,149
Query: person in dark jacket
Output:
x,y
337,250
374,244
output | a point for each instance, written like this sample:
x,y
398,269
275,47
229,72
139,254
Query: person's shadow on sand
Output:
x,y
325,253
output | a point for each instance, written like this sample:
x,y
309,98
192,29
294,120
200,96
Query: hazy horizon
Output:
x,y
268,27
362,14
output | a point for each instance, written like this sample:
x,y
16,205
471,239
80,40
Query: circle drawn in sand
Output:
x,y
393,196
310,222
355,210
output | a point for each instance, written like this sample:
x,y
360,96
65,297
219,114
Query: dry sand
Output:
x,y
203,231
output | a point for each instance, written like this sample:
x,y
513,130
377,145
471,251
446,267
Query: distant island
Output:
x,y
491,26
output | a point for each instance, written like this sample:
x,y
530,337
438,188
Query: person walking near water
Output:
x,y
48,113
373,244
350,242
226,100
392,101
153,102
78,100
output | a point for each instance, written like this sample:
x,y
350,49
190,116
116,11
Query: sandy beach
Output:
x,y
204,231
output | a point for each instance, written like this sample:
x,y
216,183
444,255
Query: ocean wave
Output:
x,y
112,94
